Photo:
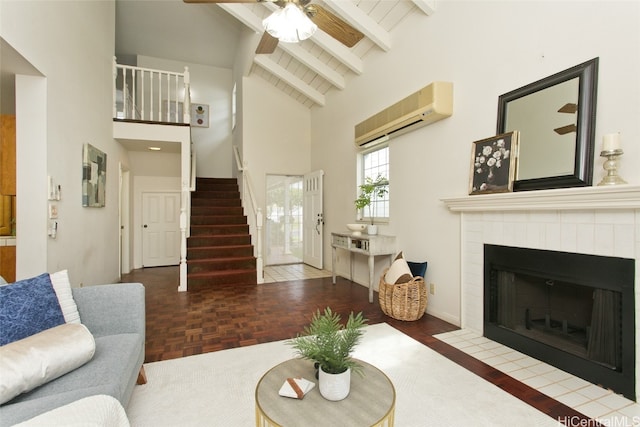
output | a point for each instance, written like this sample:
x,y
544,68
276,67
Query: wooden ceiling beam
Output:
x,y
339,51
427,6
289,78
361,21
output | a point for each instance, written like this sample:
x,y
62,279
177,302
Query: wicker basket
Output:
x,y
403,301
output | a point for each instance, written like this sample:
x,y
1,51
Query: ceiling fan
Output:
x,y
318,17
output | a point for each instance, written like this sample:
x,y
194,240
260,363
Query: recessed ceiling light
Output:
x,y
155,148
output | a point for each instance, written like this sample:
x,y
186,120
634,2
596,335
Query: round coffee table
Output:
x,y
371,401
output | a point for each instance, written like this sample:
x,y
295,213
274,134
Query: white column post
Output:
x,y
187,96
183,238
259,262
115,78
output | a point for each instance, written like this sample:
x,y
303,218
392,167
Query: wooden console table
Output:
x,y
365,244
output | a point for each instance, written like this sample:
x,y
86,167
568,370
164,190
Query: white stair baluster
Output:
x,y
125,94
134,105
151,91
142,95
168,95
176,101
159,97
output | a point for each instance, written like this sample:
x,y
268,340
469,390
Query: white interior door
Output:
x,y
124,222
160,229
313,219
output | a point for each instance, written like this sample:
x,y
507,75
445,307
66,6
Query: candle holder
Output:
x,y
611,166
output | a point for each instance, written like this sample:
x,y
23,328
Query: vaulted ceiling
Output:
x,y
208,34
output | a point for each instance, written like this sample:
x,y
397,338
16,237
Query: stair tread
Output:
x,y
222,247
222,273
200,236
219,225
218,216
222,259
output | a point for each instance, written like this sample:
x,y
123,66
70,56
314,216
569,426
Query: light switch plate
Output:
x,y
53,211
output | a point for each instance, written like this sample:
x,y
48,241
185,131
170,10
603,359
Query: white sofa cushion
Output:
x,y
62,287
30,362
93,411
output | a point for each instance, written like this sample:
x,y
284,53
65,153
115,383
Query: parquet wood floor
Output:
x,y
187,323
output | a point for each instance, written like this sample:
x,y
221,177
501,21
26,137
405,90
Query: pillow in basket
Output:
x,y
399,272
418,268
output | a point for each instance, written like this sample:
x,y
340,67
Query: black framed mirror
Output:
x,y
556,119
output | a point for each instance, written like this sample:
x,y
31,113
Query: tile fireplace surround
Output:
x,y
588,220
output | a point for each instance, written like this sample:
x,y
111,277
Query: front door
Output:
x,y
160,229
313,219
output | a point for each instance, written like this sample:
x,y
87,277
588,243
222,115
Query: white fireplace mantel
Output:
x,y
579,198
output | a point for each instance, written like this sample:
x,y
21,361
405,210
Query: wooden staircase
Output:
x,y
219,251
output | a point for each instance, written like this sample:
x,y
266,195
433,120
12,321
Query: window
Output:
x,y
372,164
234,103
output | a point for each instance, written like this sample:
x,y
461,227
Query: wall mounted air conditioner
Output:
x,y
430,104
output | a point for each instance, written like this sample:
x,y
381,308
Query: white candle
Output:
x,y
611,142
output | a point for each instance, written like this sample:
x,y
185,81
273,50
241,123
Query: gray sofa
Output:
x,y
115,315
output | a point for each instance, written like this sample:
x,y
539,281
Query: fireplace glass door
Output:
x,y
573,311
577,319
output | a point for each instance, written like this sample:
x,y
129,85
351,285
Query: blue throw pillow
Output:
x,y
418,268
28,307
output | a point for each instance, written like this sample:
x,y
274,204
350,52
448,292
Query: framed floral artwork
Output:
x,y
493,164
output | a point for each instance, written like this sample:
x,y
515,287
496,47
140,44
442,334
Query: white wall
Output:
x,y
154,163
486,49
212,86
72,45
276,137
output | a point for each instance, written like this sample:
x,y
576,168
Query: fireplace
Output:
x,y
573,311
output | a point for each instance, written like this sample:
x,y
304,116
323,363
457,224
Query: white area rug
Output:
x,y
217,389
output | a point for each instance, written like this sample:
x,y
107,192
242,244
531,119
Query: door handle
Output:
x,y
145,226
319,222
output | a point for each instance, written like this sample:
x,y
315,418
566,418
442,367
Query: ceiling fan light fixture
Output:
x,y
289,24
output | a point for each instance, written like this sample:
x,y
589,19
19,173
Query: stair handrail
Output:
x,y
247,187
192,183
145,87
188,185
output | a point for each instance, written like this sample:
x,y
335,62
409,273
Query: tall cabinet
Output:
x,y
7,197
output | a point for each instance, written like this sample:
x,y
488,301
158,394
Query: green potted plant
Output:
x,y
370,191
330,344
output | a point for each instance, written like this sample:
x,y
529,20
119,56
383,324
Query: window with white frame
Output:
x,y
372,164
234,103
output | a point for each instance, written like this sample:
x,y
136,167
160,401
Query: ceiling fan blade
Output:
x,y
332,25
568,108
565,129
267,44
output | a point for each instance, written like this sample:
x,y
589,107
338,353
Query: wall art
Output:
x,y
94,176
493,164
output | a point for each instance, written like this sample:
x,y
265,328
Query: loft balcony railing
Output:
x,y
149,95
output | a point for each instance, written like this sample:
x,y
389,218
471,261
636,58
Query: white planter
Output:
x,y
334,386
372,229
